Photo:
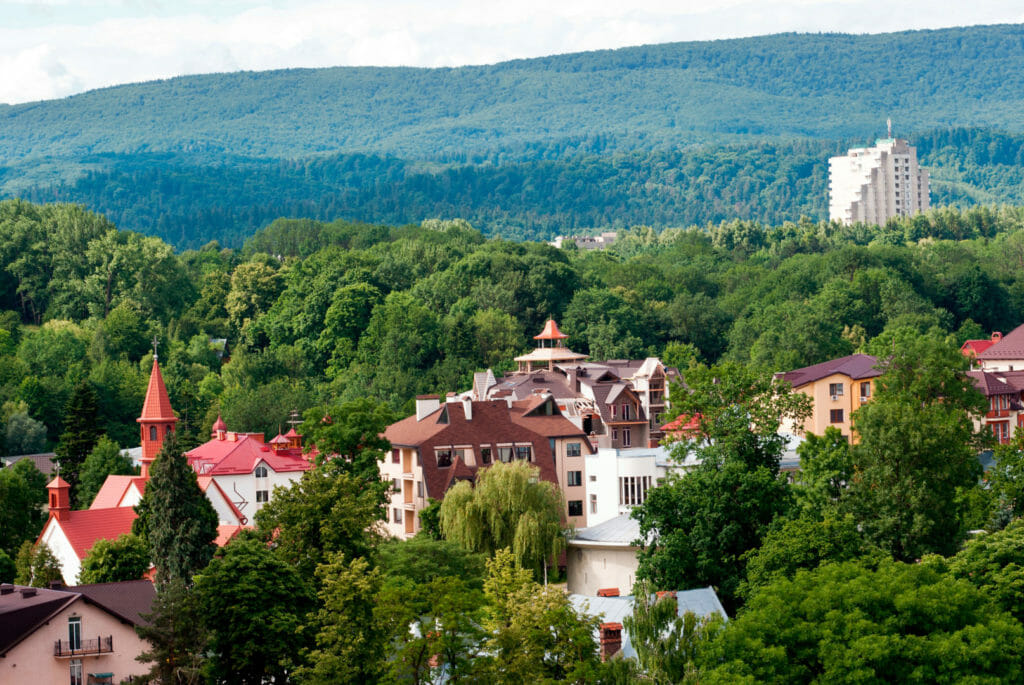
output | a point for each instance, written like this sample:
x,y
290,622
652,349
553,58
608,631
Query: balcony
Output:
x,y
101,645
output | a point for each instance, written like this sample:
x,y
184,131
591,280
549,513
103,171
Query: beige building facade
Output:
x,y
874,184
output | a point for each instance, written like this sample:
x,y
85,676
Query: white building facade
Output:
x,y
874,184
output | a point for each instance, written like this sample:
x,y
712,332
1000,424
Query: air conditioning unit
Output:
x,y
835,397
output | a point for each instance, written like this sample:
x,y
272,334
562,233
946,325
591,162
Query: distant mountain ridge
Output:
x,y
516,122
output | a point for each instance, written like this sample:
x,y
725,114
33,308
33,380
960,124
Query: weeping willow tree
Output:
x,y
509,507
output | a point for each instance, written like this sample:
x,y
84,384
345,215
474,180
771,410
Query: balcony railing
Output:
x,y
99,645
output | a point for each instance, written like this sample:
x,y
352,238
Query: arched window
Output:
x,y
152,432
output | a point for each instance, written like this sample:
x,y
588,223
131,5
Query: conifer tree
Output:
x,y
175,517
81,432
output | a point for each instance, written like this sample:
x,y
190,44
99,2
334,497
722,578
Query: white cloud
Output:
x,y
57,47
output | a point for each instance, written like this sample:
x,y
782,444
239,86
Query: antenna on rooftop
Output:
x,y
293,418
888,127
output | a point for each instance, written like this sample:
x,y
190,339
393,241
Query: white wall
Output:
x,y
590,568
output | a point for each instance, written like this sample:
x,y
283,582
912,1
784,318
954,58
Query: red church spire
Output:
x,y
157,418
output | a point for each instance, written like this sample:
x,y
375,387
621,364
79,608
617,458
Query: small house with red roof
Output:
x,y
244,469
972,348
443,443
71,534
1005,353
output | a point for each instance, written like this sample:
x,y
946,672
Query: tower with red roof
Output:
x,y
157,420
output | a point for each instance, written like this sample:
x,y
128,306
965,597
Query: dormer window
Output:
x,y
260,471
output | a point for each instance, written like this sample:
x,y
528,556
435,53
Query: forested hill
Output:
x,y
824,85
665,135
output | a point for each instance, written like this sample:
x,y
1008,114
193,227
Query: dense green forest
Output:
x,y
189,205
828,86
665,135
312,311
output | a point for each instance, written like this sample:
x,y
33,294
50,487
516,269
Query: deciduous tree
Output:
x,y
111,561
508,507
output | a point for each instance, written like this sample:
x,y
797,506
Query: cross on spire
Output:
x,y
156,343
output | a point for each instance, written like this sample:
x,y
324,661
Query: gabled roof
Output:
x,y
241,455
855,366
991,383
1011,346
227,533
22,613
206,483
492,423
114,489
83,528
157,406
976,347
127,600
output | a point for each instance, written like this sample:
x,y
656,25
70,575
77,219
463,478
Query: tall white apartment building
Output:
x,y
874,184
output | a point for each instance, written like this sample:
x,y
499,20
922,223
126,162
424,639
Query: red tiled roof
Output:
x,y
856,366
58,482
157,406
291,433
226,534
114,489
83,528
1011,346
976,347
222,457
550,332
685,424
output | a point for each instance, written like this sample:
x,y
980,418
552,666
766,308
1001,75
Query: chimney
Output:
x,y
426,405
467,407
997,336
27,592
611,640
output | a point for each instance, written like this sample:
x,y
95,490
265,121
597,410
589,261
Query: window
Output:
x,y
396,515
152,432
835,389
263,495
524,453
593,479
260,472
835,416
395,485
76,672
573,449
593,504
576,507
485,455
626,413
75,633
625,437
575,478
615,433
613,411
396,456
505,454
633,489
419,488
865,390
444,457
418,458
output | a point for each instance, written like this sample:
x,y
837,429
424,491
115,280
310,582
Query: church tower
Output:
x,y
157,420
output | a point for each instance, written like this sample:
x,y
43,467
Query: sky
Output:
x,y
54,48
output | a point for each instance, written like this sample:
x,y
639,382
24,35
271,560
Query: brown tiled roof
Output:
x,y
22,613
127,600
550,426
856,366
492,423
990,383
1010,347
1015,379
